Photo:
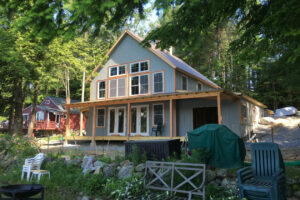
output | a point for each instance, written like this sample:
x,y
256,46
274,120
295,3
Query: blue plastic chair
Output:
x,y
265,179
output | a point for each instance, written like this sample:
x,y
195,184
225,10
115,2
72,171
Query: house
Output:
x,y
139,88
51,114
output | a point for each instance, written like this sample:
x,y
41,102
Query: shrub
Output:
x,y
200,155
137,155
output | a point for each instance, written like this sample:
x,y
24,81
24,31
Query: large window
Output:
x,y
39,115
158,114
142,66
117,87
184,82
199,86
101,89
117,70
158,82
139,84
100,117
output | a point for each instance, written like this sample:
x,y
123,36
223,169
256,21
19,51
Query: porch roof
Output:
x,y
164,97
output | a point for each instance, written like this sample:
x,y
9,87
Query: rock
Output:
x,y
125,172
98,170
109,171
125,163
85,160
85,198
98,164
210,175
88,164
140,167
297,194
221,173
225,182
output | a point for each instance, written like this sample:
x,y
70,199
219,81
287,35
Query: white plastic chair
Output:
x,y
32,164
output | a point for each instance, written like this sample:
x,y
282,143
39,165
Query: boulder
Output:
x,y
221,173
225,182
210,175
125,172
109,171
98,164
88,164
98,170
140,167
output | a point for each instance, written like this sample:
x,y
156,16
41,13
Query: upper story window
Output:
x,y
47,102
158,82
184,82
199,86
117,87
139,84
117,70
142,66
101,89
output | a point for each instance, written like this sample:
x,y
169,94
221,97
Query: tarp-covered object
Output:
x,y
285,111
226,149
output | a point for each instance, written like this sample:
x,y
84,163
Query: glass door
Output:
x,y
116,122
140,120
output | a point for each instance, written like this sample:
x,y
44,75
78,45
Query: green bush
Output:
x,y
137,155
200,155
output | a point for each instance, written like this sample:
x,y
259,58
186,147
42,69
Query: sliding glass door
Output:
x,y
116,122
140,120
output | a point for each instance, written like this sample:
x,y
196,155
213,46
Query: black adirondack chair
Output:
x,y
157,129
265,179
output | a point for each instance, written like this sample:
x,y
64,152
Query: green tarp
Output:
x,y
226,149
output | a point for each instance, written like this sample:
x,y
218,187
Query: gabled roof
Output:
x,y
171,60
59,102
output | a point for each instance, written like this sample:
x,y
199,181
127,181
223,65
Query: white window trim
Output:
x,y
139,124
117,86
98,87
139,85
198,86
163,107
101,108
40,111
139,62
47,101
163,82
187,82
117,70
116,120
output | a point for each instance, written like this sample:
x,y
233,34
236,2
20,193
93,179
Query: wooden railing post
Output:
x,y
128,121
94,127
171,118
219,108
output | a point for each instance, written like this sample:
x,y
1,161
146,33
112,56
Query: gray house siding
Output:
x,y
129,51
192,83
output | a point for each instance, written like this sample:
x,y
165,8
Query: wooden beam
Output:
x,y
67,133
94,126
122,138
219,109
175,119
128,121
240,111
171,118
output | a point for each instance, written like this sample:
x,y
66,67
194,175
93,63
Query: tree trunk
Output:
x,y
11,116
68,101
57,92
18,122
33,112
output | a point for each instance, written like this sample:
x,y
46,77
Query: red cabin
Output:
x,y
51,114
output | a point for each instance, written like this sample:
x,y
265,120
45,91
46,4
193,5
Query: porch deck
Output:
x,y
120,138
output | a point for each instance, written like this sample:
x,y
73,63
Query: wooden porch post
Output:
x,y
128,121
219,108
67,133
171,118
94,127
175,119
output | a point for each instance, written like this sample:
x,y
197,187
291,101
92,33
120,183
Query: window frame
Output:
x,y
163,82
36,114
163,113
139,84
187,82
98,92
139,62
47,102
117,87
198,86
100,108
117,66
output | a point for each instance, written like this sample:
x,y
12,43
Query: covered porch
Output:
x,y
119,116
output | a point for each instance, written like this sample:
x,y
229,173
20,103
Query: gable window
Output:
x,y
158,114
158,82
199,86
139,84
142,66
184,82
117,87
101,89
47,102
100,117
117,70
